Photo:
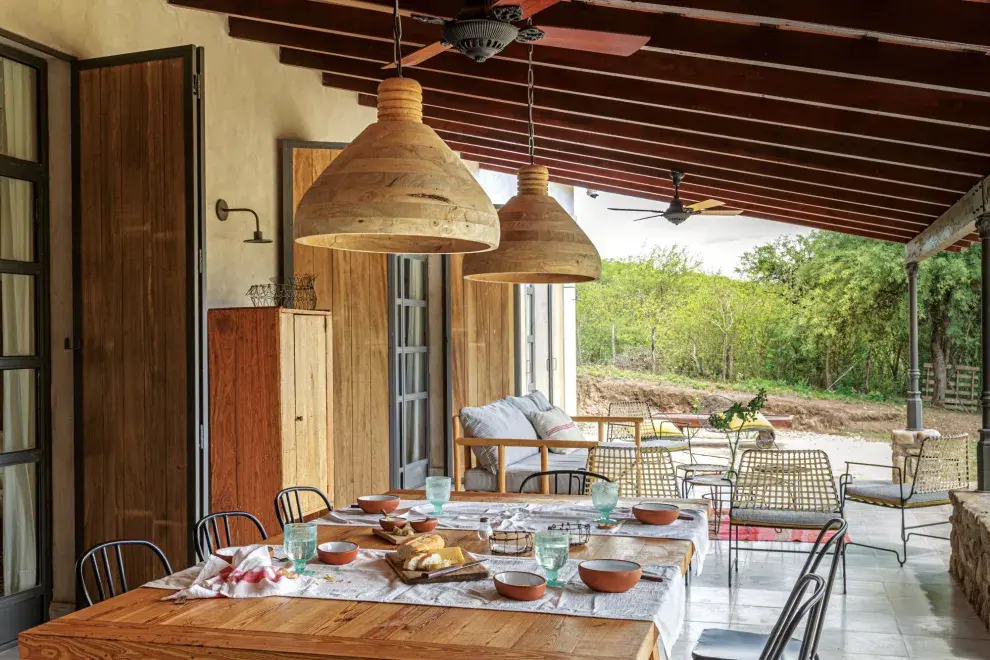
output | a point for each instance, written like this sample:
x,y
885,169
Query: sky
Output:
x,y
718,241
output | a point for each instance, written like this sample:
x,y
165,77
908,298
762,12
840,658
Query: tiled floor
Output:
x,y
889,612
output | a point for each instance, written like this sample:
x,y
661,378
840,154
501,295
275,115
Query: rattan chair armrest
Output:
x,y
888,467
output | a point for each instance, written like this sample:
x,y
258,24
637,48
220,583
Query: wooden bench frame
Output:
x,y
464,457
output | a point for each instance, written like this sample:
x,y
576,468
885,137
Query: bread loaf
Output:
x,y
426,561
425,543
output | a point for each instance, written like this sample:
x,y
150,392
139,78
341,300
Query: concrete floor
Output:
x,y
890,612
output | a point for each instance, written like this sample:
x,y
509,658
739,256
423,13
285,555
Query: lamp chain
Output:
x,y
529,98
397,38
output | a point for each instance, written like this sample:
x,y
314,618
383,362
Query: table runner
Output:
x,y
370,579
534,517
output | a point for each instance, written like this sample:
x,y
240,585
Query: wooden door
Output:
x,y
354,287
306,369
138,316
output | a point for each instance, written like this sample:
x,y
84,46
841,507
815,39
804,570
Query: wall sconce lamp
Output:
x,y
223,211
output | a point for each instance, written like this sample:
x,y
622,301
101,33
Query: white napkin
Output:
x,y
250,575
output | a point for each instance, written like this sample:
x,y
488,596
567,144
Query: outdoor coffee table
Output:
x,y
139,624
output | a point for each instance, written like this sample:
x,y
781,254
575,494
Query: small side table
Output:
x,y
715,482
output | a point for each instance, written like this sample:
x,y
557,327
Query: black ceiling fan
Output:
x,y
677,212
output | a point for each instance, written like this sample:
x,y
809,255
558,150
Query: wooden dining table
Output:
x,y
138,624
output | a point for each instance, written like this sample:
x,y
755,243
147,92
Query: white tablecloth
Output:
x,y
370,579
534,517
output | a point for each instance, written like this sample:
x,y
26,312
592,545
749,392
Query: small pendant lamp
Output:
x,y
397,188
540,243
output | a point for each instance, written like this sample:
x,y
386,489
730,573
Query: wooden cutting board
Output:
x,y
477,572
394,539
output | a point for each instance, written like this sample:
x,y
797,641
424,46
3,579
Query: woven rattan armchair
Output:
x,y
941,465
782,489
653,421
645,472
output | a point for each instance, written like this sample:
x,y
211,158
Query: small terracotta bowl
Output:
x,y
614,576
424,525
392,524
226,554
378,503
656,513
519,585
337,553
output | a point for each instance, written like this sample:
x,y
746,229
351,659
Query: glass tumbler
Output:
x,y
438,492
300,544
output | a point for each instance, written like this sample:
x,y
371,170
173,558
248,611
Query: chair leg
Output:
x,y
842,547
904,536
730,553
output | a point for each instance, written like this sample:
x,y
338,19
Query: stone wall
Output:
x,y
904,447
970,561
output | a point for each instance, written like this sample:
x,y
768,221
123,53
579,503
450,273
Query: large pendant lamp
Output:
x,y
397,188
541,243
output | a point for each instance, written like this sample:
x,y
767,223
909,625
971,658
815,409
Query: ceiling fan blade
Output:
x,y
649,217
706,204
722,212
636,210
607,43
421,55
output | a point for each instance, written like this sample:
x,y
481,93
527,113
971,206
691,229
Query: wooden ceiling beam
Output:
x,y
704,187
631,191
816,183
678,99
958,221
655,141
918,22
753,206
872,159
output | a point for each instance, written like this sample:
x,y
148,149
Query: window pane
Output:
x,y
415,326
19,561
16,219
17,313
414,431
19,422
414,278
414,375
19,110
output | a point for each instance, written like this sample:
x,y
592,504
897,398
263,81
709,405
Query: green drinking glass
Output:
x,y
605,497
438,492
552,550
300,544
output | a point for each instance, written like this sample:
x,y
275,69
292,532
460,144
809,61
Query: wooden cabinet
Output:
x,y
271,407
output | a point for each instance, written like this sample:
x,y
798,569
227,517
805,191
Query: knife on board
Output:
x,y
450,569
651,577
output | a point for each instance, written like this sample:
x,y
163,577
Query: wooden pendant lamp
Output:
x,y
397,188
541,243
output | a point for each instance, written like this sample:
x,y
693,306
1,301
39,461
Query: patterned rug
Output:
x,y
766,533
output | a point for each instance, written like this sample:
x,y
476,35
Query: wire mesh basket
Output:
x,y
510,543
580,533
297,292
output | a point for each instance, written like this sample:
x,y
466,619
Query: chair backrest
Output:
x,y
213,531
623,431
104,571
288,505
645,472
799,606
832,538
576,482
943,464
785,480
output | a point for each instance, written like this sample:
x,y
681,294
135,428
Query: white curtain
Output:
x,y
18,482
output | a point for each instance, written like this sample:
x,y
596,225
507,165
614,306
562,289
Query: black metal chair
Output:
x,y
719,644
568,476
284,510
207,535
103,573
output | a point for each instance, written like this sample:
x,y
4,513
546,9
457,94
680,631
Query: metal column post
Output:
x,y
914,415
983,446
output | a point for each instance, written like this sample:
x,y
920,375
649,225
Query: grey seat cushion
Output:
x,y
499,419
778,518
888,493
484,480
722,644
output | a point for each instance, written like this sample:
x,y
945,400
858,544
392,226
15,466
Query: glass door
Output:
x,y
24,463
410,378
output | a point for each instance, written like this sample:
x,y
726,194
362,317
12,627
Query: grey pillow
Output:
x,y
531,403
499,419
555,424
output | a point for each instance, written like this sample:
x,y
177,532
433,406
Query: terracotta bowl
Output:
x,y
378,503
613,576
656,513
226,554
337,553
519,585
392,524
424,525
